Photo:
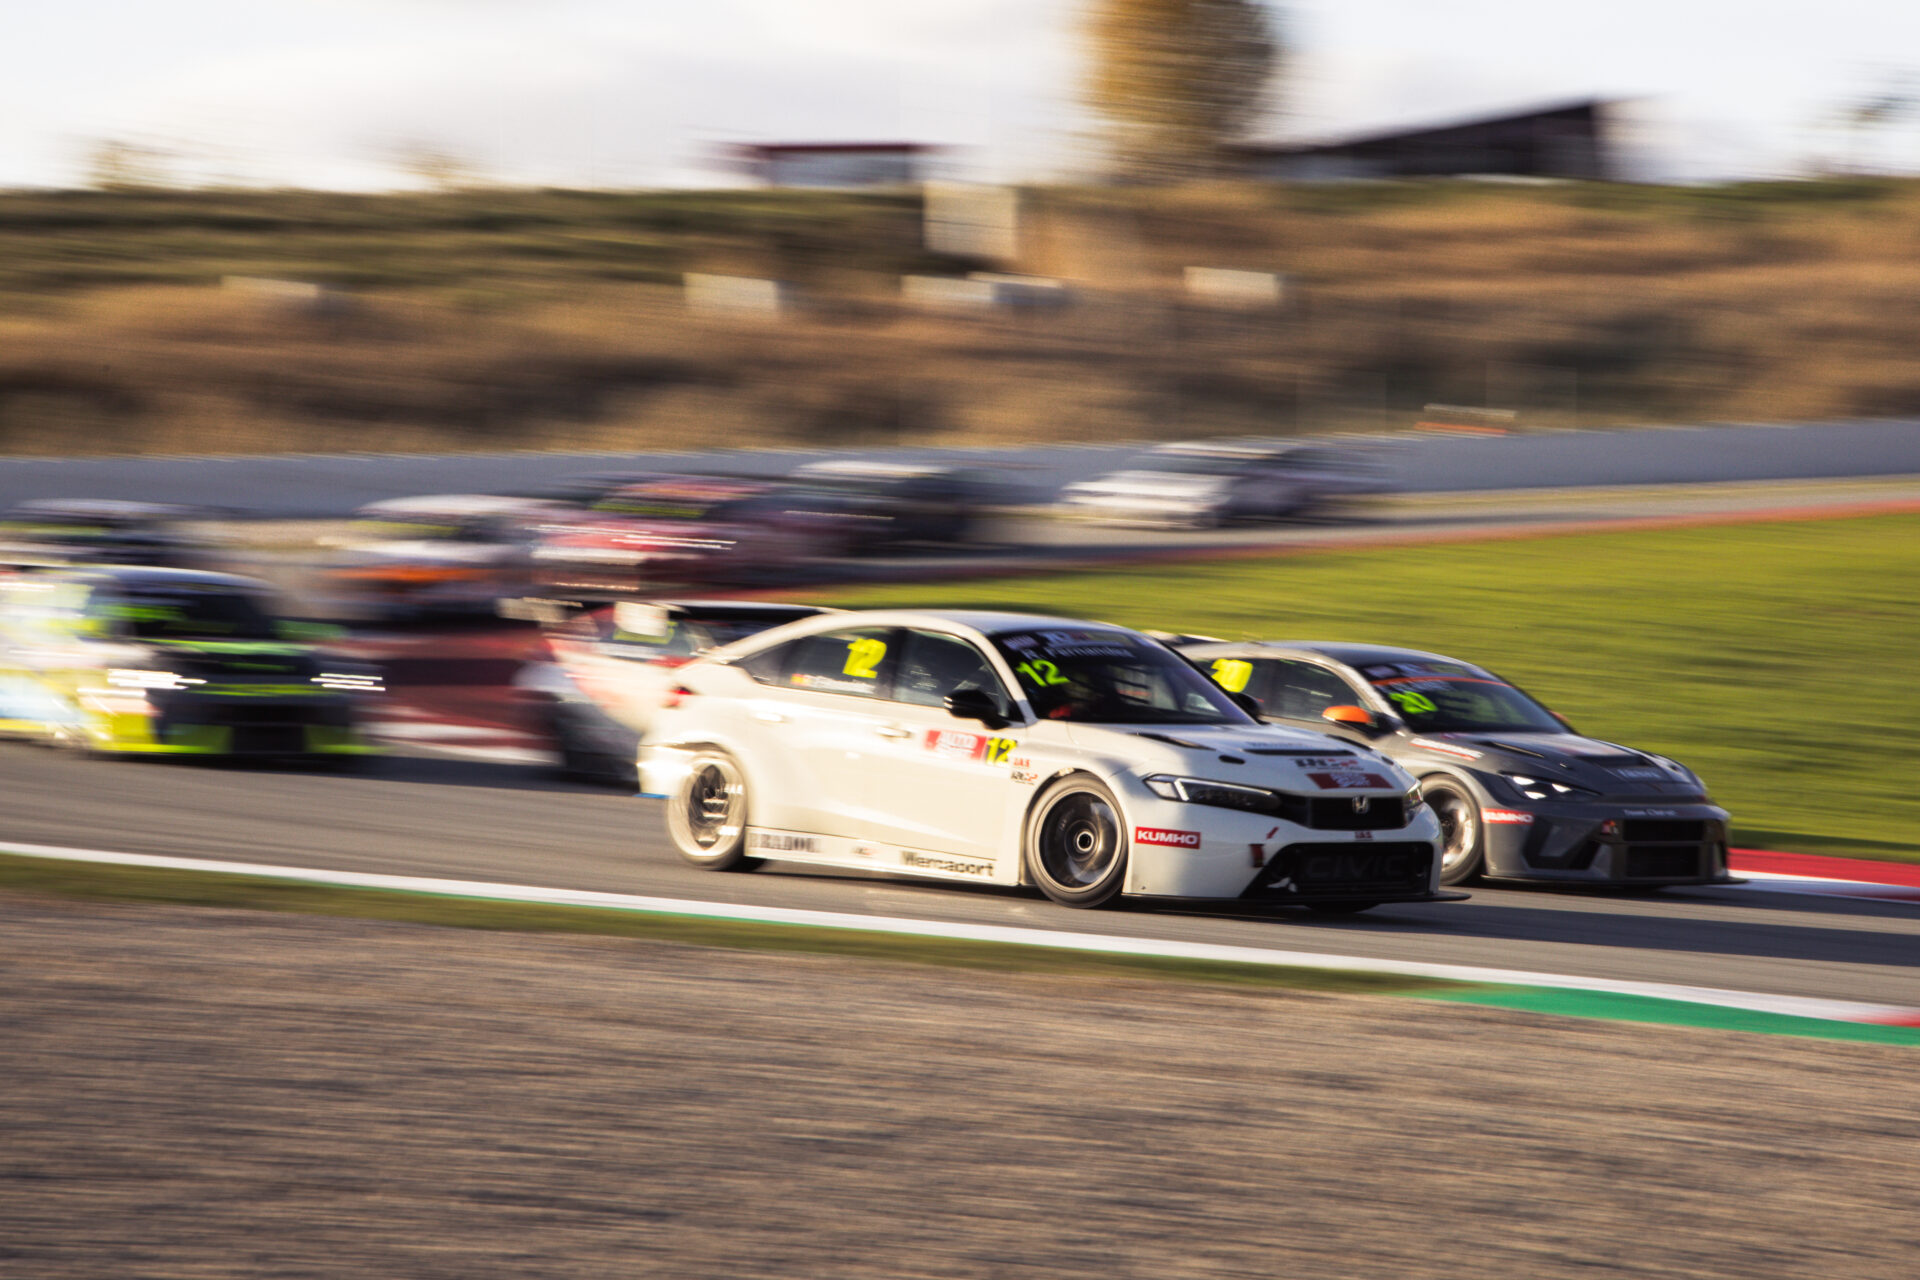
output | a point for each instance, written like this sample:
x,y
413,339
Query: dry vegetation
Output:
x,y
531,319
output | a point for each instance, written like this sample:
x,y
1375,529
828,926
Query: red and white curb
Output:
x,y
399,725
1806,873
1757,1002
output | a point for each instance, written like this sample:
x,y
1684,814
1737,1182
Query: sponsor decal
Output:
x,y
1639,773
1257,854
1507,815
1162,836
1327,762
781,842
932,862
1363,835
1347,779
1021,762
956,744
1025,777
1653,813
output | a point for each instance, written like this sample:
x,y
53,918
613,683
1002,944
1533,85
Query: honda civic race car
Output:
x,y
1519,794
169,662
1082,759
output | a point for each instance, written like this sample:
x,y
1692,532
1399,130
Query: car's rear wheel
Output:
x,y
707,814
1462,837
1076,843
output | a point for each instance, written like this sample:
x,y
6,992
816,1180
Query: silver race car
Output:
x,y
1519,794
1083,759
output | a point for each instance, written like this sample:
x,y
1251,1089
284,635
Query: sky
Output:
x,y
627,93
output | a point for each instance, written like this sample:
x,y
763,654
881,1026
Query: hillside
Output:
x,y
522,318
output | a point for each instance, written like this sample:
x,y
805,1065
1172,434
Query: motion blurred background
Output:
x,y
443,225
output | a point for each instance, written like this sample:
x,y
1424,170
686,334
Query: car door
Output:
x,y
822,720
945,784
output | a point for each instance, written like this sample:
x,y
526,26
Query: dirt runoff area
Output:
x,y
199,1093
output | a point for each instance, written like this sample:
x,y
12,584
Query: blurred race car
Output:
x,y
609,667
1519,794
882,506
682,533
1080,758
408,558
170,662
103,531
1210,483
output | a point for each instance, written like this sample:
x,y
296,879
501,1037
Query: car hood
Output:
x,y
426,551
1294,760
1606,767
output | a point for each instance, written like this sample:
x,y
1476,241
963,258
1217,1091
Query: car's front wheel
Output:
x,y
1462,838
707,814
1076,845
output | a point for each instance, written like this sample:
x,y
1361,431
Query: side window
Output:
x,y
933,665
1301,691
1242,675
857,663
769,666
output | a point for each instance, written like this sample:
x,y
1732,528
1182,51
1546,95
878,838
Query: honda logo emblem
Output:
x,y
1362,803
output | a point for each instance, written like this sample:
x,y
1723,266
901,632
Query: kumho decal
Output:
x,y
1506,815
1170,839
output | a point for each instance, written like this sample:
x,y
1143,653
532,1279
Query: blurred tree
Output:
x,y
115,164
1177,79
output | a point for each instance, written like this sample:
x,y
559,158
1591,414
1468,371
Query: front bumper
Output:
x,y
1608,842
1183,850
263,729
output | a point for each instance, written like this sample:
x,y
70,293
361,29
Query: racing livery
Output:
x,y
149,661
608,668
1519,794
1083,759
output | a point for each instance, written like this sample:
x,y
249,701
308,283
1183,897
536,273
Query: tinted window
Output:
x,y
186,614
1111,677
1239,675
856,663
1454,698
933,665
1301,690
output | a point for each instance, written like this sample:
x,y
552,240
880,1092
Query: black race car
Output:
x,y
1519,794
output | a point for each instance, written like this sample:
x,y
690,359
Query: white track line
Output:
x,y
1794,1006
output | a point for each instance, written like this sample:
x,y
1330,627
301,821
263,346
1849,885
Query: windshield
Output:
x,y
1450,698
1199,464
1111,677
181,615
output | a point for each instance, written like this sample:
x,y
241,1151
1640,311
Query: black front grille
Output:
x,y
1663,831
1357,813
1650,861
269,740
1390,869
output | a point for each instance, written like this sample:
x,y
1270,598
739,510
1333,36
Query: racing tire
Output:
x,y
707,814
1463,835
1076,843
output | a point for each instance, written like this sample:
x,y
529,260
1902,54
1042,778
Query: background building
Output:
x,y
836,164
1569,140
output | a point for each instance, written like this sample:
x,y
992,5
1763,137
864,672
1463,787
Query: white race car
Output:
x,y
1083,759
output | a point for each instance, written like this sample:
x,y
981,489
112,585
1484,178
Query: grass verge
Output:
x,y
102,881
1775,659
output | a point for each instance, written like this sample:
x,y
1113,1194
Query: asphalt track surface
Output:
x,y
502,822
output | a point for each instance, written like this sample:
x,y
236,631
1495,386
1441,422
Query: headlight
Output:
x,y
126,678
1543,789
1223,795
356,682
1412,803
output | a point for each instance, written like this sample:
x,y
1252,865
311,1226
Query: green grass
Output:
x,y
1778,660
174,887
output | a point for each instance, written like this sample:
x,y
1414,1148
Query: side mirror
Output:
x,y
1351,717
1249,704
975,704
